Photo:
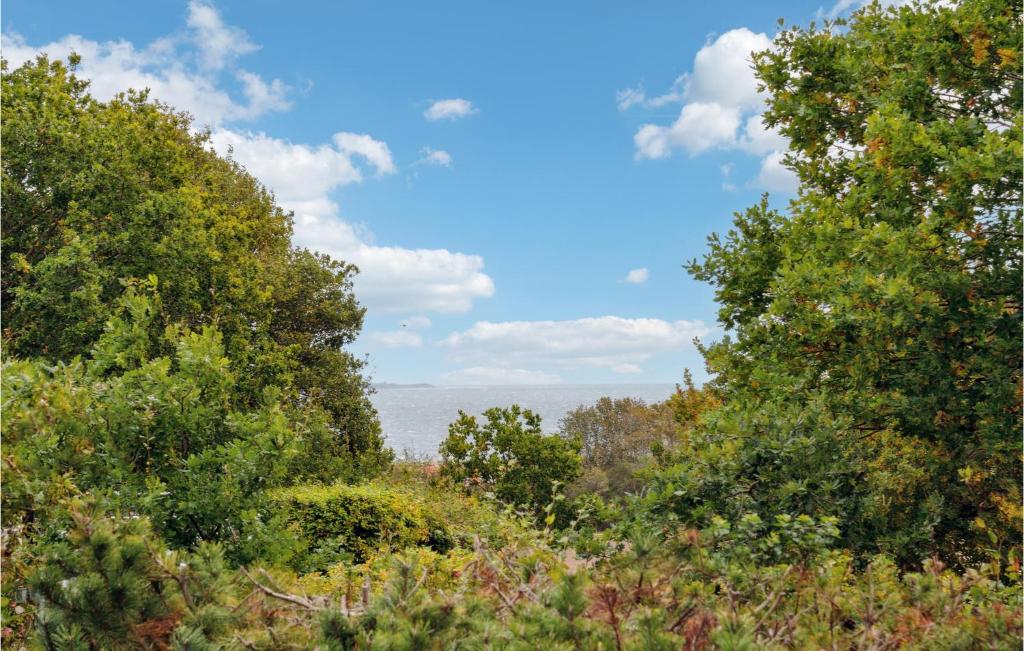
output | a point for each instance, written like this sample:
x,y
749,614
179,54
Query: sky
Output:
x,y
520,184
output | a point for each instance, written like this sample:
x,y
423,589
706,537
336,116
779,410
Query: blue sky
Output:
x,y
520,183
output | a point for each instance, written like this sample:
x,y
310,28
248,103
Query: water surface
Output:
x,y
416,419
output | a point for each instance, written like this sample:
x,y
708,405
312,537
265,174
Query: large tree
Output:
x,y
873,367
98,193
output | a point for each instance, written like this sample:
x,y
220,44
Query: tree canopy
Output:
x,y
873,367
97,194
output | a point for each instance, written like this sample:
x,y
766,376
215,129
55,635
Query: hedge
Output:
x,y
342,523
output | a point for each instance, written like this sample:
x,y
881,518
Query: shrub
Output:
x,y
341,523
510,456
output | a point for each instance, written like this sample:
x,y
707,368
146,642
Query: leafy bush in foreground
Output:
x,y
670,589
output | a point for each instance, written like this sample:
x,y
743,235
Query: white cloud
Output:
x,y
608,342
449,109
499,375
374,151
627,369
721,109
637,276
417,322
726,170
392,279
436,157
185,72
630,97
300,175
775,176
218,44
397,339
759,140
263,97
723,72
699,127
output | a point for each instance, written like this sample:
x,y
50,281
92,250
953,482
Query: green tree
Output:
x,y
160,436
617,437
873,370
509,455
97,193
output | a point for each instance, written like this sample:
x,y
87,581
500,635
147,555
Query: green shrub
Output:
x,y
341,523
510,456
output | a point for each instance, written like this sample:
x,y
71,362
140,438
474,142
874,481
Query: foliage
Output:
x,y
97,193
177,401
661,590
350,523
873,372
161,436
113,585
689,404
510,456
617,437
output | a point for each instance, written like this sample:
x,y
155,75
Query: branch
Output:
x,y
302,602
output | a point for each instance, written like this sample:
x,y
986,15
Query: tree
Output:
x,y
617,436
689,404
158,436
98,193
876,325
509,455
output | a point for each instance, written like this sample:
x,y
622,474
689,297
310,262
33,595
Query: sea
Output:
x,y
415,419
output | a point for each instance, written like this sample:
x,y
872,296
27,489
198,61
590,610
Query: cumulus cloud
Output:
x,y
499,375
449,109
775,176
395,279
720,107
722,70
397,339
607,342
218,44
392,279
699,127
436,157
374,151
637,276
263,97
185,71
759,139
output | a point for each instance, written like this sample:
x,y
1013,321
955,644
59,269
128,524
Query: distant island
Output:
x,y
390,385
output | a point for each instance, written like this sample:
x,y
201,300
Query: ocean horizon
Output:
x,y
415,417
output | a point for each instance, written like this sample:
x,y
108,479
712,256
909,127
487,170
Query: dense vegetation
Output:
x,y
190,459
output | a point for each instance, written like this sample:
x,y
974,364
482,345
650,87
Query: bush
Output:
x,y
342,523
111,584
510,456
